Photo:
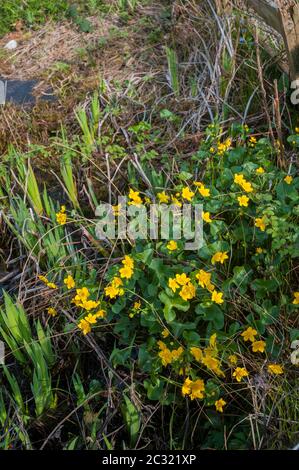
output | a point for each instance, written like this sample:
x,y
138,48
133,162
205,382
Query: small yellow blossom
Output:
x,y
258,346
259,250
61,216
165,333
52,311
239,373
233,359
163,197
217,297
84,326
135,198
275,369
100,314
288,179
204,279
252,141
249,334
219,404
219,257
260,170
187,194
243,201
296,298
260,222
206,217
114,289
172,245
182,279
172,283
69,282
188,291
186,388
196,353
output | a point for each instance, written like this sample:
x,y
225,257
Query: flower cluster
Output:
x,y
168,356
61,216
182,282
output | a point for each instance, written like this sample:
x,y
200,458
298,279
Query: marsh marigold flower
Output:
x,y
249,334
243,201
188,291
260,222
260,170
84,325
275,369
233,359
258,346
219,404
163,197
52,311
239,373
187,194
219,257
203,191
288,179
196,353
172,245
61,216
206,217
296,298
135,199
217,297
172,283
69,282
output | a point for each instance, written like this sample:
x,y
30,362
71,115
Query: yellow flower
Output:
x,y
288,179
100,314
137,305
258,346
176,353
128,262
247,187
163,198
243,201
217,297
219,404
175,201
197,389
204,192
204,278
182,279
51,311
196,353
187,194
84,326
172,283
249,334
186,387
239,179
212,363
259,250
166,356
61,216
297,130
89,304
147,200
252,141
135,198
126,272
260,170
233,359
206,217
165,333
172,245
90,319
69,282
188,291
260,222
219,257
296,298
275,369
81,296
114,289
239,373
51,285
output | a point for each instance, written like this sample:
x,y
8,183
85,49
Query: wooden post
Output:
x,y
289,17
283,16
